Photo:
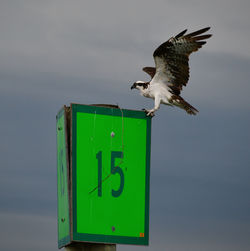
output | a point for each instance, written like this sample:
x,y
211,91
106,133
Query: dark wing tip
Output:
x,y
181,34
201,43
198,32
205,29
202,37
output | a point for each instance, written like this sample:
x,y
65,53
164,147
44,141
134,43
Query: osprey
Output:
x,y
171,71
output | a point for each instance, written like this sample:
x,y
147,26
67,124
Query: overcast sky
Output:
x,y
54,52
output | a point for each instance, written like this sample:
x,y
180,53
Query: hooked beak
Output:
x,y
133,86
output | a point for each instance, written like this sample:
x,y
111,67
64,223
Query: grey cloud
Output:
x,y
19,232
92,38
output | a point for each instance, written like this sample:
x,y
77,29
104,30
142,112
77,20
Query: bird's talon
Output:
x,y
149,113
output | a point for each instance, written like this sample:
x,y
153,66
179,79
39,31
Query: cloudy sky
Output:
x,y
54,52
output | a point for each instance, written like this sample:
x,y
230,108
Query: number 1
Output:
x,y
99,157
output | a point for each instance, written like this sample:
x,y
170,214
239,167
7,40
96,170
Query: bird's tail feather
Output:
x,y
180,102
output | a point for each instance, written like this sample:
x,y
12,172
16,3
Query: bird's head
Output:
x,y
140,85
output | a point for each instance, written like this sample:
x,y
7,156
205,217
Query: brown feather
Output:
x,y
181,34
179,101
149,70
202,37
197,32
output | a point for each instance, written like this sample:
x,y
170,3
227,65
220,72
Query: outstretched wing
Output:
x,y
171,58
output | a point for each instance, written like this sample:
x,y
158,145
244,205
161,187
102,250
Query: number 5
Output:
x,y
117,169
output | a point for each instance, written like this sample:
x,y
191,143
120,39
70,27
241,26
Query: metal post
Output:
x,y
90,247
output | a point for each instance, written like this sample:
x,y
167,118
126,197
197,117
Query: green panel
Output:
x,y
111,156
62,182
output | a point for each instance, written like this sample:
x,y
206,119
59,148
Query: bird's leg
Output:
x,y
156,107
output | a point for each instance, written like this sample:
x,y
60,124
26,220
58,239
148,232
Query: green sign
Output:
x,y
110,175
62,181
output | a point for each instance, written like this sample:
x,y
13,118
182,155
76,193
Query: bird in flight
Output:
x,y
171,71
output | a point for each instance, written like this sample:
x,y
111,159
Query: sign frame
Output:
x,y
63,196
71,120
